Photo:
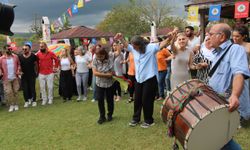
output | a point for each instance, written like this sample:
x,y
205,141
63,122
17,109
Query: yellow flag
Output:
x,y
103,40
193,13
80,4
52,27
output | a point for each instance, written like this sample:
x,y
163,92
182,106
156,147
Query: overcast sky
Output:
x,y
93,12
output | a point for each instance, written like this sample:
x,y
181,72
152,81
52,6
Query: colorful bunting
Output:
x,y
64,17
241,9
77,42
80,4
87,1
93,41
74,9
85,41
193,13
52,27
69,12
103,41
111,40
214,12
60,21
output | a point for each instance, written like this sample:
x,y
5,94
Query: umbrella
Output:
x,y
56,48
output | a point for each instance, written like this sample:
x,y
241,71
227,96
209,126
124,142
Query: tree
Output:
x,y
136,17
36,27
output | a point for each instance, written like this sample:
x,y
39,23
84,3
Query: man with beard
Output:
x,y
47,65
28,63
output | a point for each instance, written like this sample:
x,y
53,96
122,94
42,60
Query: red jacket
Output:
x,y
46,62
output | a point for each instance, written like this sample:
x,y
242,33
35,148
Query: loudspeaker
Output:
x,y
6,18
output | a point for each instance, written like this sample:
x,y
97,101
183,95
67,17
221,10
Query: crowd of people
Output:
x,y
151,69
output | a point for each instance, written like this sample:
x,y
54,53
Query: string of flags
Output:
x,y
71,11
241,11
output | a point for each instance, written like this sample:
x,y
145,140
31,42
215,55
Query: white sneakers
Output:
x,y
93,100
26,104
84,98
13,108
34,104
50,102
79,98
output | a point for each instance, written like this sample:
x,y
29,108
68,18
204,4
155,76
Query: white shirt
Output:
x,y
10,68
81,63
192,43
65,64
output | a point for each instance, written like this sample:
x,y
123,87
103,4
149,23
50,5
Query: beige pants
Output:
x,y
11,88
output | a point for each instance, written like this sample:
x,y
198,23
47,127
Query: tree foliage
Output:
x,y
136,17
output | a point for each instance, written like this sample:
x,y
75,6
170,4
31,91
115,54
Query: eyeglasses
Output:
x,y
25,49
211,34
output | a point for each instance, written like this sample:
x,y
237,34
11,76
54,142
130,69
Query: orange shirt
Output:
x,y
131,67
161,59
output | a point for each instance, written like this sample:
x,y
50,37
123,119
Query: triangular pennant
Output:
x,y
74,9
69,12
80,4
103,41
64,18
60,21
52,27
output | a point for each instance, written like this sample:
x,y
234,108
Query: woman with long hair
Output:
x,y
103,68
66,74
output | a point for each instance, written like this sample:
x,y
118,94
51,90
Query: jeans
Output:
x,y
82,78
231,145
161,83
167,79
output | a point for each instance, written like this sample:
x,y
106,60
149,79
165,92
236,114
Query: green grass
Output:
x,y
72,126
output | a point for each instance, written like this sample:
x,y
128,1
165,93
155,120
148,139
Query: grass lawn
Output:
x,y
72,126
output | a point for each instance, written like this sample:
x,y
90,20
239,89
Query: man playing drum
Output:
x,y
230,76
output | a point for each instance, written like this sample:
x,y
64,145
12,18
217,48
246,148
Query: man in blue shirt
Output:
x,y
229,77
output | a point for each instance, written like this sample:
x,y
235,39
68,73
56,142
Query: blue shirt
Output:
x,y
145,64
234,62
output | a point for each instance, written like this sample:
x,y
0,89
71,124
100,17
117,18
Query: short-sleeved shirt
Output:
x,y
161,59
146,63
28,65
234,62
82,63
104,67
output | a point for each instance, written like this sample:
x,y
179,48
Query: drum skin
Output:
x,y
199,117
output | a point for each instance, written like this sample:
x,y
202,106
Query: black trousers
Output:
x,y
66,84
117,88
131,89
29,88
90,77
100,95
144,100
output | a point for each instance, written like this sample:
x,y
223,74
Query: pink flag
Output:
x,y
87,1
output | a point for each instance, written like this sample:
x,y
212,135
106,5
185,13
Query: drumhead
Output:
x,y
213,131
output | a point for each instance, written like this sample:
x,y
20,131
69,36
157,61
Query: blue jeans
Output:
x,y
161,82
167,79
232,145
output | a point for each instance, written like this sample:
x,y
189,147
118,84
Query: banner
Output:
x,y
77,42
85,41
80,4
103,41
214,12
241,9
69,12
193,13
74,9
93,41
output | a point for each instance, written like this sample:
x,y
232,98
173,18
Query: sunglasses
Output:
x,y
25,49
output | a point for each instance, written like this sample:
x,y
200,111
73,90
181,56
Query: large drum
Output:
x,y
199,117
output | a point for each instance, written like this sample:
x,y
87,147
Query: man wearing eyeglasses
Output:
x,y
28,62
229,79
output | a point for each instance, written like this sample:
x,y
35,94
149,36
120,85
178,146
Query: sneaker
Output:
x,y
147,125
26,104
16,108
93,100
130,100
44,102
110,118
101,121
34,104
50,102
118,98
78,99
29,101
160,98
133,123
11,109
84,98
